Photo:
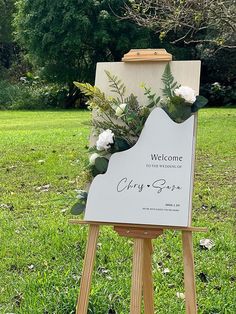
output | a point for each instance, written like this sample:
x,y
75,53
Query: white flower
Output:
x,y
104,140
92,158
120,110
187,93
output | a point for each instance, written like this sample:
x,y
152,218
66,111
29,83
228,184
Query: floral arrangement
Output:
x,y
120,120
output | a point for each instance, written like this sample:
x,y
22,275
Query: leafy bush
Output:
x,y
31,95
219,95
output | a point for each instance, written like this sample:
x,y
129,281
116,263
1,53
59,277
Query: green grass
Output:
x,y
41,255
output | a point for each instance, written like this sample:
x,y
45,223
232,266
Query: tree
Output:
x,y
65,39
6,40
205,21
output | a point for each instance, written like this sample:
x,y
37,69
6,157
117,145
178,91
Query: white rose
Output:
x,y
92,158
105,140
187,93
120,110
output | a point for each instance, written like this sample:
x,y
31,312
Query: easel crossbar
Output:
x,y
112,224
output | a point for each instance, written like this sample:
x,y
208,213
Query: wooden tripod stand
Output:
x,y
142,280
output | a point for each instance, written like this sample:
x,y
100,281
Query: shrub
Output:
x,y
219,95
31,95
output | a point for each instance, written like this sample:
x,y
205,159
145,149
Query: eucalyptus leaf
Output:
x,y
94,171
200,102
179,112
101,164
121,144
78,208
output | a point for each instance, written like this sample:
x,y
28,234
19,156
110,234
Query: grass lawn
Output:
x,y
42,156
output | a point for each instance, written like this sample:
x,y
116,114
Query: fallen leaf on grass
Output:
x,y
180,295
166,271
43,188
103,270
31,267
11,168
7,206
206,244
41,161
204,206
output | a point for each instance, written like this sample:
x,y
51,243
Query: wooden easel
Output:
x,y
142,280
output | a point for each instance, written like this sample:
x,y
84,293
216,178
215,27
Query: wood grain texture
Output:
x,y
189,276
103,223
82,305
148,293
137,278
145,55
142,233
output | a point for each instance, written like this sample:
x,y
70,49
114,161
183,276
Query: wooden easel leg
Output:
x,y
137,278
82,304
189,276
147,278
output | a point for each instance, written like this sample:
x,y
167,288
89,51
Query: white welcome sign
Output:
x,y
152,182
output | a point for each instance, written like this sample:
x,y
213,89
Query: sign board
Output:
x,y
152,182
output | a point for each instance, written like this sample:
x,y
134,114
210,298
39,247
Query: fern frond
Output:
x,y
169,83
86,88
97,98
116,85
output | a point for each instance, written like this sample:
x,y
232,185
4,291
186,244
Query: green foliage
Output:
x,y
96,98
100,166
220,95
169,82
120,144
177,110
127,125
117,86
153,100
177,107
6,11
65,39
8,49
79,207
200,102
23,96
